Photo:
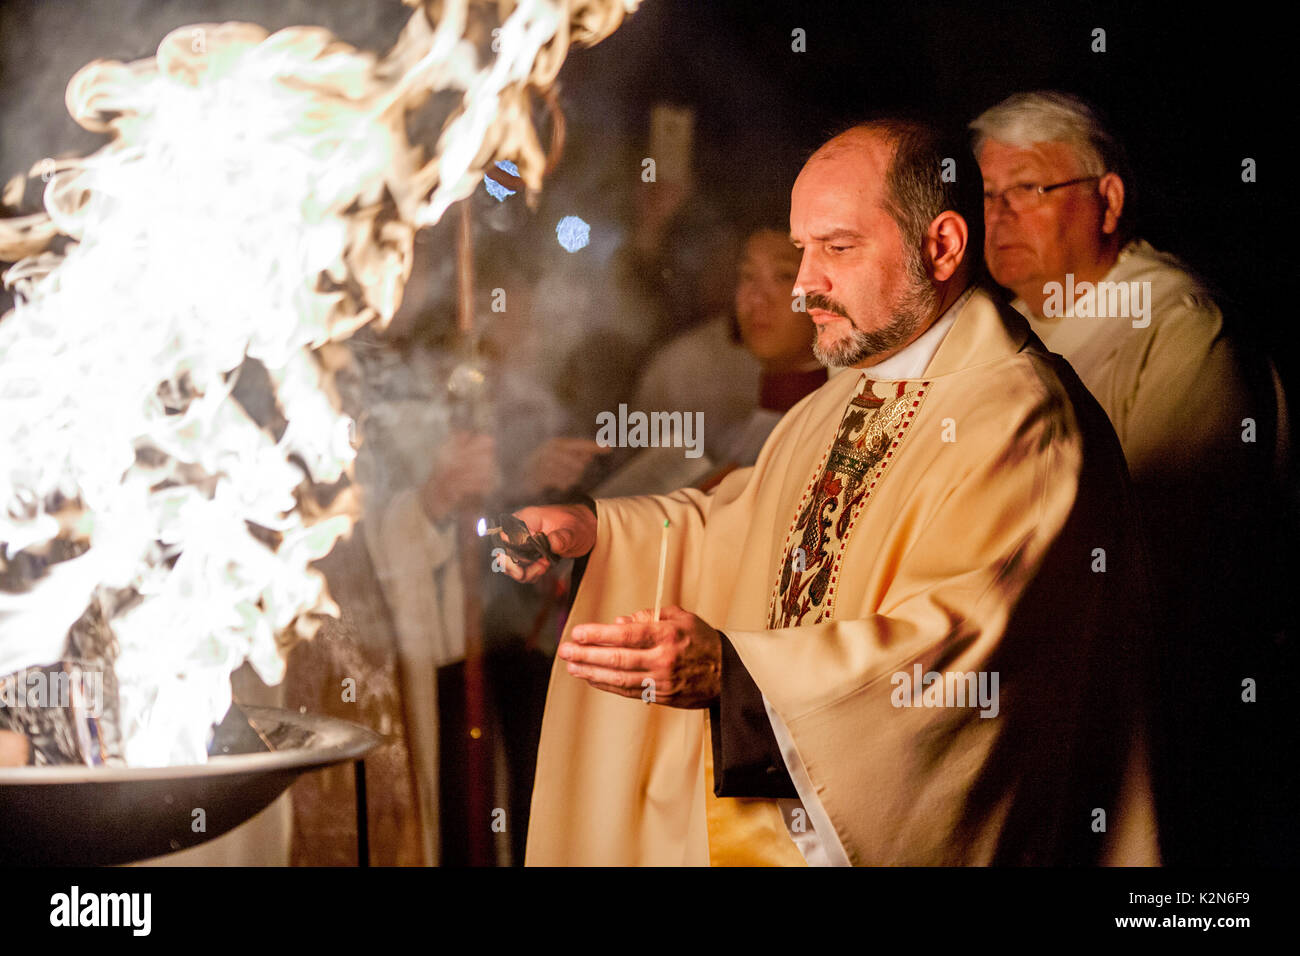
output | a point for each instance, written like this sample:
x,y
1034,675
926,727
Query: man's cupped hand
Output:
x,y
676,660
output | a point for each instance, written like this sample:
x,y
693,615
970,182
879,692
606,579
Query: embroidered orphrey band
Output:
x,y
865,444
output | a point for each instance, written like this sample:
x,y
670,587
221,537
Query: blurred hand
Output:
x,y
570,530
465,469
13,749
558,465
656,204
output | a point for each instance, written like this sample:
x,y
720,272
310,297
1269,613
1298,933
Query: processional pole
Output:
x,y
468,381
469,385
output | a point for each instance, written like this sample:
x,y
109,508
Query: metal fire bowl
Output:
x,y
98,816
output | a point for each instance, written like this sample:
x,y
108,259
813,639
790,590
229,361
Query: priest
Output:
x,y
912,632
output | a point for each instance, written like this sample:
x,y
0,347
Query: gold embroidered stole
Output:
x,y
752,832
865,445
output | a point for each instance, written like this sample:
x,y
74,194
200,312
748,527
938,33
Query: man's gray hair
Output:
x,y
1048,116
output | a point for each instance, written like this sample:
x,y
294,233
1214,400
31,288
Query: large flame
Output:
x,y
259,198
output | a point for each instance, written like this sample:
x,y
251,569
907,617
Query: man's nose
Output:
x,y
997,209
810,278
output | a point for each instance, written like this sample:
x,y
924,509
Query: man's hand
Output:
x,y
680,656
465,468
558,465
570,530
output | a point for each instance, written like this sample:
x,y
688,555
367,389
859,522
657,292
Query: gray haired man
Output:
x,y
1202,428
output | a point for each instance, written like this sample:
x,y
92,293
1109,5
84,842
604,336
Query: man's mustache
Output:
x,y
825,304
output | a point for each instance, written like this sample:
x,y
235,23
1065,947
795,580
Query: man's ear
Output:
x,y
1111,188
945,244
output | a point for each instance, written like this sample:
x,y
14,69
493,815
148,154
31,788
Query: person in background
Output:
x,y
742,370
1203,426
776,332
427,459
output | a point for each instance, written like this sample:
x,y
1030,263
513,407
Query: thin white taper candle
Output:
x,y
663,561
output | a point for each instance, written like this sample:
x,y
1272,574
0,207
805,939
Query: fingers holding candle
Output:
x,y
637,632
644,616
617,658
680,656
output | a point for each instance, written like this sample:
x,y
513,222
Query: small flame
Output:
x,y
259,199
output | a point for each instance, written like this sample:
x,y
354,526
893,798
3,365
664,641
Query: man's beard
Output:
x,y
908,316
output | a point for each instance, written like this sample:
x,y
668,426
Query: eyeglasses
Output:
x,y
1029,195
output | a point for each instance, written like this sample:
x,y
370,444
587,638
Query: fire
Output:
x,y
258,199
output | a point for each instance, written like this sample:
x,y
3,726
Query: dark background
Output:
x,y
1191,90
